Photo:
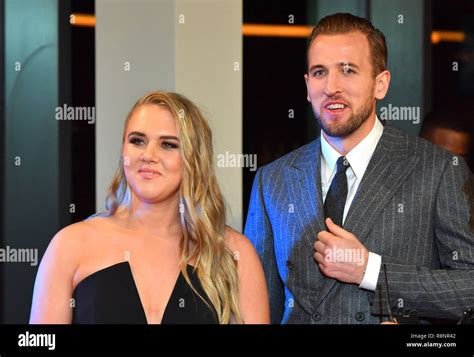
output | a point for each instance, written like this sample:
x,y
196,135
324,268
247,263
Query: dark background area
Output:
x,y
2,130
273,84
83,94
453,89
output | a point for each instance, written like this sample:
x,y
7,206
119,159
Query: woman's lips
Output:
x,y
148,174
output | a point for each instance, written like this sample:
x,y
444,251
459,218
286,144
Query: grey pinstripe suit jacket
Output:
x,y
411,208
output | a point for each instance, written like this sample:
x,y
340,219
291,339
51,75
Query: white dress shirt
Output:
x,y
358,158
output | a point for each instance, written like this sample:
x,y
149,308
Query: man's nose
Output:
x,y
333,84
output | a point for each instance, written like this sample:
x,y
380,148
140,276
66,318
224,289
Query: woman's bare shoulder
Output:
x,y
253,295
239,244
68,239
71,239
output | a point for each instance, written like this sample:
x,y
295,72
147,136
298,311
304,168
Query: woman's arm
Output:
x,y
253,294
52,296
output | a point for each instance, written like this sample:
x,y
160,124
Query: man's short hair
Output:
x,y
342,23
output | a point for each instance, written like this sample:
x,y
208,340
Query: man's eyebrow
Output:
x,y
316,66
342,64
349,64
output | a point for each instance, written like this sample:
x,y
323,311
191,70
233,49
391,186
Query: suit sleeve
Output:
x,y
258,229
448,291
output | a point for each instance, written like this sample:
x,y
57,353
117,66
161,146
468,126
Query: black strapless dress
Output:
x,y
110,296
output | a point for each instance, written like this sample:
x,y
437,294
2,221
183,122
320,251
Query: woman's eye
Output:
x,y
136,141
169,145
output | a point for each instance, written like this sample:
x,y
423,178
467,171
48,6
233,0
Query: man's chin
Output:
x,y
335,133
344,126
335,128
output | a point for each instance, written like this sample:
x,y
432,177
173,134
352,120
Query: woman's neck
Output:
x,y
159,220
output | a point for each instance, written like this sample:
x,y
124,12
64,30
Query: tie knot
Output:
x,y
342,164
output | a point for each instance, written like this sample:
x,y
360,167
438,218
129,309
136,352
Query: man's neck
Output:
x,y
343,145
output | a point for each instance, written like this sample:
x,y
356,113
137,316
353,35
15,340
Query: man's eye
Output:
x,y
348,71
136,141
169,145
319,73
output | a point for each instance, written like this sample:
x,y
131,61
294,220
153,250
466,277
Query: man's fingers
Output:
x,y
320,247
325,236
319,258
322,268
338,230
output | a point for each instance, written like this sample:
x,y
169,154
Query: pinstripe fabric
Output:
x,y
411,208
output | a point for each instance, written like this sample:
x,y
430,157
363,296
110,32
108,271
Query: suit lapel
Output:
x,y
303,179
388,168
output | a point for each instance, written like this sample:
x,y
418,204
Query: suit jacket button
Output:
x,y
316,316
360,316
289,265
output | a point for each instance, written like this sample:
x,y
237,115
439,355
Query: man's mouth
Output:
x,y
335,107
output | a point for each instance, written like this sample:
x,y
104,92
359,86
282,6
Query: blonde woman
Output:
x,y
162,253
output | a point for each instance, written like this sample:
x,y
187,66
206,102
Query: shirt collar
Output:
x,y
359,157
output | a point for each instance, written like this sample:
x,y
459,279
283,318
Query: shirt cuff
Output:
x,y
372,271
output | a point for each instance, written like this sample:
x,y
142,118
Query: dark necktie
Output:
x,y
337,194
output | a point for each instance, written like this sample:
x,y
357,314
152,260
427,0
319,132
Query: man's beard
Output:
x,y
354,122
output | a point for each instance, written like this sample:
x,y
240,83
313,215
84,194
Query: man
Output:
x,y
451,130
328,217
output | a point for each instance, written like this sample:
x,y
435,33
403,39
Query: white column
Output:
x,y
209,72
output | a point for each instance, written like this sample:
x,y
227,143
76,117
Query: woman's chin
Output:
x,y
154,197
146,196
150,199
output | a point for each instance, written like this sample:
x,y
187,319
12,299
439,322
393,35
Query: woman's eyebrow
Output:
x,y
169,137
162,137
137,133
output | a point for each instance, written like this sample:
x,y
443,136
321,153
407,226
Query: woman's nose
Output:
x,y
151,153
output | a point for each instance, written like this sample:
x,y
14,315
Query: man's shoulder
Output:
x,y
300,156
415,145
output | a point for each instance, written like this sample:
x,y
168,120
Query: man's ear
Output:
x,y
307,91
382,82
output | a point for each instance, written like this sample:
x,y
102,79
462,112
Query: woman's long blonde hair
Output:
x,y
203,217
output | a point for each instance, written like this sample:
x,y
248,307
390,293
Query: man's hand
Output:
x,y
340,254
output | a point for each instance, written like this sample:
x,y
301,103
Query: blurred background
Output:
x,y
241,61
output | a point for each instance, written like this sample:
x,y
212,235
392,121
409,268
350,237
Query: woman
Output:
x,y
162,253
